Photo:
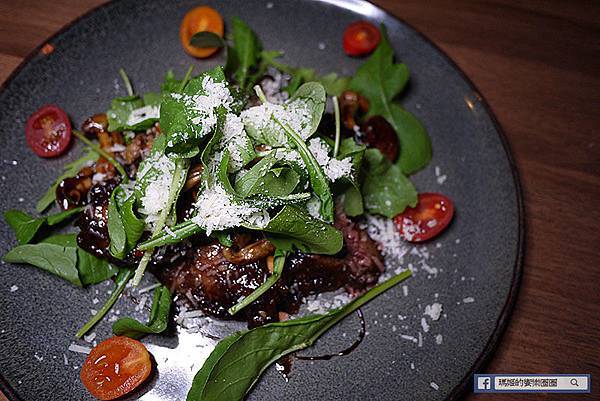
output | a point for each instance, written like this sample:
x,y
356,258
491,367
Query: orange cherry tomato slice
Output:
x,y
48,131
115,367
361,38
430,217
200,19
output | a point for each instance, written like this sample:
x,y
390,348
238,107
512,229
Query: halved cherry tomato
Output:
x,y
115,367
430,217
48,131
200,19
361,38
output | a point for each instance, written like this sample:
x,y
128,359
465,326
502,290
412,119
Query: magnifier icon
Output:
x,y
574,382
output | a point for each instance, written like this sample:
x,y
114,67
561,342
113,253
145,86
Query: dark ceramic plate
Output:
x,y
473,269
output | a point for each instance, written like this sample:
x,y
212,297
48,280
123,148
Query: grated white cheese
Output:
x,y
156,194
385,232
439,339
89,338
79,349
148,288
434,386
217,211
424,325
234,139
333,168
296,114
14,288
468,300
141,114
433,311
314,207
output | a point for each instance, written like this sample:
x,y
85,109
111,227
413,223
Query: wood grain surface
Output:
x,y
538,65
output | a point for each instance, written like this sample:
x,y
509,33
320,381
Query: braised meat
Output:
x,y
214,278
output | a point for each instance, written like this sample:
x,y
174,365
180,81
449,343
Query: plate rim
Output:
x,y
502,321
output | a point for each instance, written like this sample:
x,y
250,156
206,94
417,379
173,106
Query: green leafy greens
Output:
x,y
238,361
380,80
26,227
157,323
60,255
70,170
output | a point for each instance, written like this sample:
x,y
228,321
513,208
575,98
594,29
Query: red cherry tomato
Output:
x,y
361,38
48,131
115,367
430,217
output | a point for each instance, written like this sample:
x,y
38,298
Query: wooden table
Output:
x,y
538,65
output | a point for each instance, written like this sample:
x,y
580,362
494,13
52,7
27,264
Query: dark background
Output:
x,y
538,65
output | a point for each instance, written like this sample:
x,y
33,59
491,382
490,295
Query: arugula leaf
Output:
x,y
157,323
318,181
243,56
70,170
56,259
386,191
278,264
380,81
132,113
294,229
235,365
26,227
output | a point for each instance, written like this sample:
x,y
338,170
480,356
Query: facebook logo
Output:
x,y
484,383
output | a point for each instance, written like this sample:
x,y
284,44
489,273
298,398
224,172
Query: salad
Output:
x,y
243,189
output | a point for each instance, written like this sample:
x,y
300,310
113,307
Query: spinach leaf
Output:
x,y
26,227
353,201
333,84
294,229
318,181
56,259
279,182
303,112
60,255
380,81
70,170
386,191
124,227
180,116
116,229
132,113
157,323
204,39
93,270
278,264
249,182
235,365
243,56
121,281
